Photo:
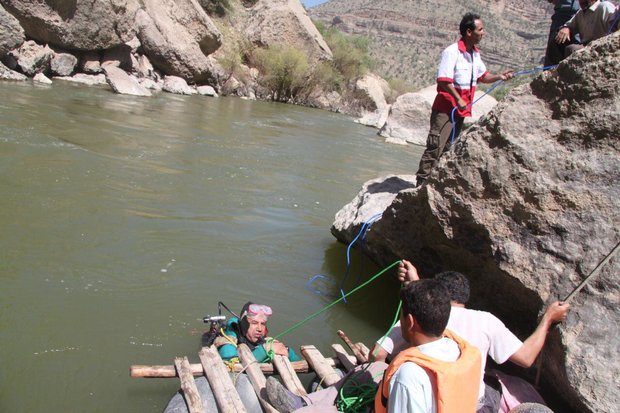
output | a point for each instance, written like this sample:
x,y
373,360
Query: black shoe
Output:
x,y
281,398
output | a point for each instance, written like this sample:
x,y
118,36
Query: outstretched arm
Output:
x,y
491,78
526,355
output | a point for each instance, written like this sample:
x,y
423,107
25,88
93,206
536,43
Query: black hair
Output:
x,y
468,22
429,303
456,284
244,324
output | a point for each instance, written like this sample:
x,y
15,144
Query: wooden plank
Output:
x,y
356,351
364,350
221,384
327,373
139,370
348,361
256,376
288,375
188,385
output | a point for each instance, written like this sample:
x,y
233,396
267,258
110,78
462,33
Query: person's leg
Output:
x,y
438,136
555,51
572,48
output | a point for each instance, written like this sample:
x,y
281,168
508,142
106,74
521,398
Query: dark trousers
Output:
x,y
438,141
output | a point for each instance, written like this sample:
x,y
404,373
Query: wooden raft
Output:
x,y
228,401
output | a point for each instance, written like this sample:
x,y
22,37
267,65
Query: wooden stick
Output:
x,y
320,365
188,385
364,350
288,375
221,384
139,370
348,361
256,376
356,351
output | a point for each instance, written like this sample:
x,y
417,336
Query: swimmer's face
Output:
x,y
257,329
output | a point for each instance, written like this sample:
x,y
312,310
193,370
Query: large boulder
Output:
x,y
373,89
76,24
527,205
33,58
8,74
409,117
122,83
177,35
275,22
11,33
408,120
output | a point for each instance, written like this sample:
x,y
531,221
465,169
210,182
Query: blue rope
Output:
x,y
614,22
360,236
363,230
496,84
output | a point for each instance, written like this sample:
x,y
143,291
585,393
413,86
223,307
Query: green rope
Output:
x,y
355,397
310,317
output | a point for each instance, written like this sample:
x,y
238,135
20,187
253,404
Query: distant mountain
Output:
x,y
407,36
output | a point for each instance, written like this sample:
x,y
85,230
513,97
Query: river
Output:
x,y
124,220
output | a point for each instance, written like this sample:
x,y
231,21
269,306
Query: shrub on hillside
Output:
x,y
284,71
351,57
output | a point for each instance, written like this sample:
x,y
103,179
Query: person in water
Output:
x,y
251,329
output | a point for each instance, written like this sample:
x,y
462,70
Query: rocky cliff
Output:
x,y
526,205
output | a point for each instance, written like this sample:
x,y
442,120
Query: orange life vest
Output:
x,y
457,382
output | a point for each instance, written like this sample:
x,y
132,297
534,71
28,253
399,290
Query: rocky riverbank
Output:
x,y
138,47
526,205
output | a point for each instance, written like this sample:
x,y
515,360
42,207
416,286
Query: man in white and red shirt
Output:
x,y
460,69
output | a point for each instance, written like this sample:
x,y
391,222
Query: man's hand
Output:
x,y
507,75
279,348
556,312
563,35
407,273
461,104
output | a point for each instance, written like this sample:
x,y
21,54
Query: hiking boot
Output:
x,y
281,398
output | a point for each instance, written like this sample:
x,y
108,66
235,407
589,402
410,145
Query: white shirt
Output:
x,y
411,387
593,22
479,328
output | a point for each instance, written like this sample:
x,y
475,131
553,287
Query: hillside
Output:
x,y
407,36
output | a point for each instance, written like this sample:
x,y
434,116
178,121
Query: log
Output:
x,y
221,384
256,376
156,371
348,361
319,363
188,385
356,351
288,375
364,350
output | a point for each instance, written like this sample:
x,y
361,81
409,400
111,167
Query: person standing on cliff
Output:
x,y
460,69
591,22
563,10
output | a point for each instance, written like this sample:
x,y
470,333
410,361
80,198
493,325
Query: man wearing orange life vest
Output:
x,y
440,372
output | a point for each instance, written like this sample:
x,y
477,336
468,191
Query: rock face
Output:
x,y
11,33
527,205
408,120
70,23
375,89
122,83
177,35
273,22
